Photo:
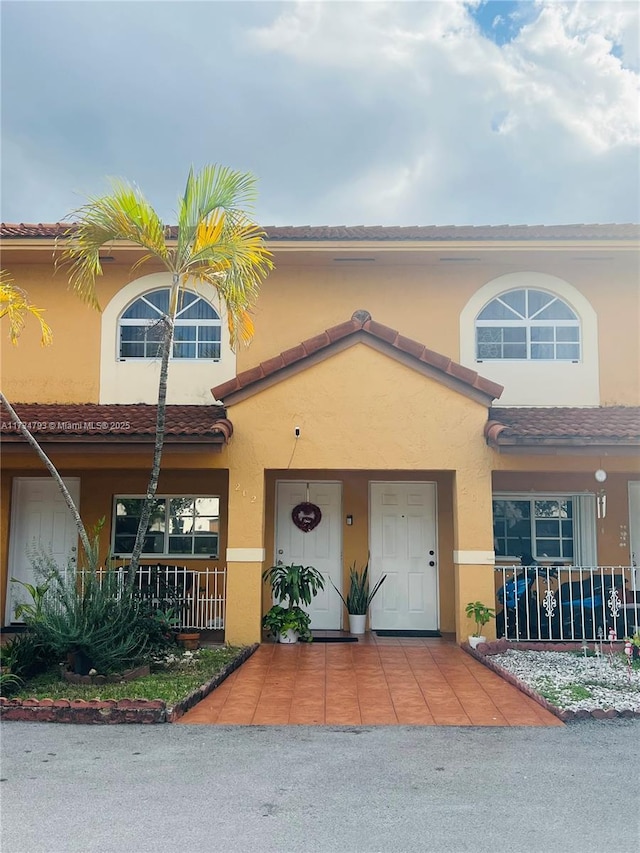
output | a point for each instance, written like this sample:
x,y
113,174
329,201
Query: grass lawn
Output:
x,y
171,679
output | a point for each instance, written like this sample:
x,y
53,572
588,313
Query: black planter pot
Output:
x,y
80,663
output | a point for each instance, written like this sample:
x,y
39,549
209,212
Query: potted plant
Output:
x,y
188,638
481,614
635,645
294,586
359,597
288,624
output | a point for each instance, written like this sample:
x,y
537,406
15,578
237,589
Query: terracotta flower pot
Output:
x,y
189,640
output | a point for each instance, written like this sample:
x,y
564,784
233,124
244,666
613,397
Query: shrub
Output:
x,y
98,619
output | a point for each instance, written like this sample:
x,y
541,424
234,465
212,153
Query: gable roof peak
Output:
x,y
360,328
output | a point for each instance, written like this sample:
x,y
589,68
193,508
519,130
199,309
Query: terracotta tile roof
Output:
x,y
360,326
628,231
571,425
135,423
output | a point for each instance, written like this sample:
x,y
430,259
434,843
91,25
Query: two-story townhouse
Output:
x,y
440,398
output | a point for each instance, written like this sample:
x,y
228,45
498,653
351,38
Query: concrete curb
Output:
x,y
484,652
112,711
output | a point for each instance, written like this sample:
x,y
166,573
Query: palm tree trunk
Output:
x,y
82,533
161,414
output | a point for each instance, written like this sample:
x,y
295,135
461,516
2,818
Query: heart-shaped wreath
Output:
x,y
306,516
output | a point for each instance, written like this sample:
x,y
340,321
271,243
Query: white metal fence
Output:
x,y
566,602
195,598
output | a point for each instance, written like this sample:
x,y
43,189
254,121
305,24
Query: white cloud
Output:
x,y
387,112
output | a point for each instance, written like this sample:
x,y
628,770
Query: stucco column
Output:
x,y
473,555
245,557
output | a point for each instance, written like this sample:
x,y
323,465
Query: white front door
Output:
x,y
403,543
634,526
40,522
320,547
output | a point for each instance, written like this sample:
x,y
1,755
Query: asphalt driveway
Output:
x,y
86,789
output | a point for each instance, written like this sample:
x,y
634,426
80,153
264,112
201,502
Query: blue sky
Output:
x,y
461,112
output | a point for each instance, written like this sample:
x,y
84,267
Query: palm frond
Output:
x,y
235,263
214,189
14,304
124,214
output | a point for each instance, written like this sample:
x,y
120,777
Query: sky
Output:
x,y
374,113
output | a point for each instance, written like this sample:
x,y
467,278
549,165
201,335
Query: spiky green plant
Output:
x,y
359,597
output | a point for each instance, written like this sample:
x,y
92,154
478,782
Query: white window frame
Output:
x,y
165,555
528,323
141,322
583,522
536,382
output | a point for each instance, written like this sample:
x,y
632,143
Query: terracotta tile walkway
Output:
x,y
376,681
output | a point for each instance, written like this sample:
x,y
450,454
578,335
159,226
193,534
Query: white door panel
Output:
x,y
40,522
320,547
403,546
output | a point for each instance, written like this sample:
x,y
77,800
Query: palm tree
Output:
x,y
216,242
15,306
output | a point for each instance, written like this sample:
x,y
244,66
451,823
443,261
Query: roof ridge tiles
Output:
x,y
593,231
360,322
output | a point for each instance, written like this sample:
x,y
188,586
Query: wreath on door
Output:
x,y
306,516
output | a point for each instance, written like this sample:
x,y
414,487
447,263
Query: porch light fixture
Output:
x,y
600,475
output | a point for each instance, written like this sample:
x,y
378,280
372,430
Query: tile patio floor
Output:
x,y
427,682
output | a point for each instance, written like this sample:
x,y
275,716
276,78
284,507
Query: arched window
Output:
x,y
197,327
527,324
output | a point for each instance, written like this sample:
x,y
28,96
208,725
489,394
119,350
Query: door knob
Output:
x,y
432,562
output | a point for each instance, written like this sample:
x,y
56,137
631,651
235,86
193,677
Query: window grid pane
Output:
x,y
541,527
548,328
178,526
140,339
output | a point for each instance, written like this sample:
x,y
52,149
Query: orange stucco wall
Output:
x,y
362,414
402,425
413,292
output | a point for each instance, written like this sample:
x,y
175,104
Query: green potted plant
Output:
x,y
359,597
481,614
188,638
635,645
292,586
288,624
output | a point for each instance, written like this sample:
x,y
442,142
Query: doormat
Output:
x,y
408,634
334,638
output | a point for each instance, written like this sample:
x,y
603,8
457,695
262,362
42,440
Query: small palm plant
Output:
x,y
481,614
359,596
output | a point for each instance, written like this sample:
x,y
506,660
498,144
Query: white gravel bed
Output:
x,y
574,683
